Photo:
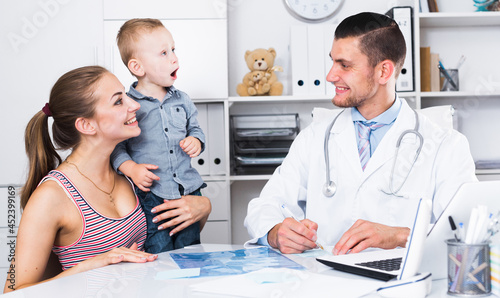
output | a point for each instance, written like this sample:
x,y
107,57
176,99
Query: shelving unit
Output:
x,y
423,22
280,99
449,33
475,35
451,19
456,94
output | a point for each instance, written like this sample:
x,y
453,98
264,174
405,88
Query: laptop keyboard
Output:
x,y
385,265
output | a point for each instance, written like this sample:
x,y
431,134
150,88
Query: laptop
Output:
x,y
428,255
391,263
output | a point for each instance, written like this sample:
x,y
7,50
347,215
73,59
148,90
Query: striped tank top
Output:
x,y
100,233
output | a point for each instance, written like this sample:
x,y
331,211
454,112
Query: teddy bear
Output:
x,y
258,83
261,80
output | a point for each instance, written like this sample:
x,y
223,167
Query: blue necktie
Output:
x,y
364,132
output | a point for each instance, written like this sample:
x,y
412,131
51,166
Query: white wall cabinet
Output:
x,y
218,232
41,41
165,9
200,46
218,227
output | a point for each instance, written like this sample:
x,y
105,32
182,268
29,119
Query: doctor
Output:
x,y
376,187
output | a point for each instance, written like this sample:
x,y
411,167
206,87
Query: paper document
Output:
x,y
234,261
273,282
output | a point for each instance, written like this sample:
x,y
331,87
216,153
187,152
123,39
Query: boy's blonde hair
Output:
x,y
130,33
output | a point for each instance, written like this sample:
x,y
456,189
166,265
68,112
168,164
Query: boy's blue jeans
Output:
x,y
159,240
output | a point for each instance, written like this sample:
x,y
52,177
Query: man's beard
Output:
x,y
351,102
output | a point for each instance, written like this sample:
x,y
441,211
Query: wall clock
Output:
x,y
313,10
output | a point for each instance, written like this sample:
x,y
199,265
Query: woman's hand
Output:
x,y
116,255
183,212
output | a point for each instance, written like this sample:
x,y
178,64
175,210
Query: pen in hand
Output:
x,y
289,213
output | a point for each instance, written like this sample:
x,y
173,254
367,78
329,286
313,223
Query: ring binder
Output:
x,y
403,15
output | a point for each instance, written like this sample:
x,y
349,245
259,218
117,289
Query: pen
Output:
x,y
447,75
454,228
460,61
461,232
289,213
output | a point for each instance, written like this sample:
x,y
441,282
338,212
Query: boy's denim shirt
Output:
x,y
163,125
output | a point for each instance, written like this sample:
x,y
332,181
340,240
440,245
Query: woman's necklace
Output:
x,y
108,193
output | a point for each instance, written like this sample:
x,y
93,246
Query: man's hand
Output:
x,y
364,234
292,236
139,173
191,145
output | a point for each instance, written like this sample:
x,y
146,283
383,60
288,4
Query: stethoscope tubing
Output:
x,y
330,187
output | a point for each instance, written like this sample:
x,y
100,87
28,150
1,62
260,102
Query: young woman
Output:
x,y
83,211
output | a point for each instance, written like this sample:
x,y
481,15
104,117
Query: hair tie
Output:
x,y
46,110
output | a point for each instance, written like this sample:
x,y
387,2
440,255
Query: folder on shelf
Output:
x,y
212,160
403,16
215,145
328,34
425,69
201,162
298,56
316,60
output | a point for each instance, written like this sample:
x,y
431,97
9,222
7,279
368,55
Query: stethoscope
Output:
x,y
330,188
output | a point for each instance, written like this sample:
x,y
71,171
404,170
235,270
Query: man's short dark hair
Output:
x,y
380,37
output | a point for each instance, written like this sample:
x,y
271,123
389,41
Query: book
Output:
x,y
425,69
433,6
434,73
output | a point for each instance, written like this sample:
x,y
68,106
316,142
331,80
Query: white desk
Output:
x,y
138,280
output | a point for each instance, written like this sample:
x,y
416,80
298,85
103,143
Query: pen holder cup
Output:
x,y
468,269
446,84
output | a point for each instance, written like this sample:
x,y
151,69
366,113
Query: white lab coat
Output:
x,y
444,164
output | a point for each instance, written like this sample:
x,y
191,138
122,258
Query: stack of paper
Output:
x,y
282,282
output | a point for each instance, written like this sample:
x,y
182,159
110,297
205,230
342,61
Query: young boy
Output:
x,y
170,133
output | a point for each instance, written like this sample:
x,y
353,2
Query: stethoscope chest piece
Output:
x,y
329,189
